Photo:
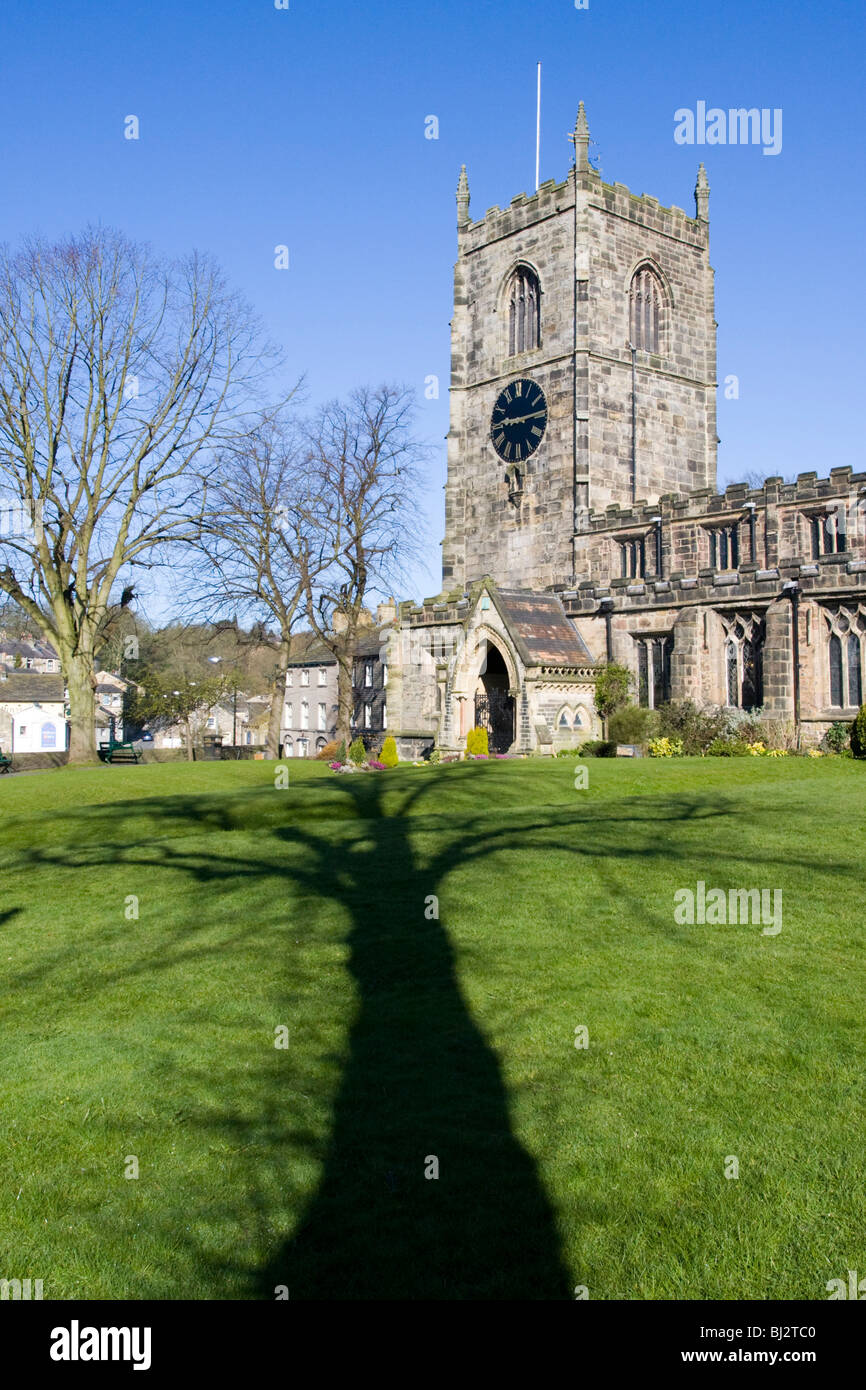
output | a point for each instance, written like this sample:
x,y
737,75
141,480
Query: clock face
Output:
x,y
519,420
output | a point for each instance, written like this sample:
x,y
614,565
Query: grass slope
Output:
x,y
412,1038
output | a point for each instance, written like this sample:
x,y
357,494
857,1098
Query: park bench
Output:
x,y
119,753
5,762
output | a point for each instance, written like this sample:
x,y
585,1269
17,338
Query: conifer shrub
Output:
x,y
389,755
476,741
358,753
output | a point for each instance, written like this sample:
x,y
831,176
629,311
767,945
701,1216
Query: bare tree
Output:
x,y
363,479
118,370
260,545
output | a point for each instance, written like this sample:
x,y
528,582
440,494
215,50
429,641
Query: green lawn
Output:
x,y
411,1037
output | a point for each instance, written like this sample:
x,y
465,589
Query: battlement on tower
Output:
x,y
527,209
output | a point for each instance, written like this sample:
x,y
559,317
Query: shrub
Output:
x,y
358,753
858,734
744,726
341,754
837,736
728,748
632,724
590,748
331,752
665,748
476,741
696,728
388,755
435,755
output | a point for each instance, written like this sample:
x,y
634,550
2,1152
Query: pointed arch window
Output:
x,y
744,661
846,655
524,311
645,310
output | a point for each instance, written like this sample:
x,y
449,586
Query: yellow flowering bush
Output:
x,y
665,748
757,749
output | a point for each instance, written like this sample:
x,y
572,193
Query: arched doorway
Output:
x,y
494,707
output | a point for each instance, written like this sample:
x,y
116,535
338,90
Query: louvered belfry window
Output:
x,y
646,310
523,312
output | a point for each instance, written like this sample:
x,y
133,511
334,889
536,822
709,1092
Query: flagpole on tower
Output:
x,y
538,130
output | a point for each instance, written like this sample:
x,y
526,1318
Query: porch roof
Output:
x,y
540,626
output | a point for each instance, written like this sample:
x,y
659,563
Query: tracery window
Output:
x,y
846,652
744,661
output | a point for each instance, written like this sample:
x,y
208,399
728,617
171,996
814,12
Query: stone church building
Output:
x,y
582,518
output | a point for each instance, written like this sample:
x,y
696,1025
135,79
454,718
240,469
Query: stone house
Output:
x,y
32,713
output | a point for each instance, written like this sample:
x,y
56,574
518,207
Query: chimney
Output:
x,y
386,612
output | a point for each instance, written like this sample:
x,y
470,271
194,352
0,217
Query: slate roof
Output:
x,y
540,624
28,687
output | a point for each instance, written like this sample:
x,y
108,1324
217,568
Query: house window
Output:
x,y
384,715
724,547
632,558
49,736
654,671
384,675
289,719
289,679
323,676
323,716
564,721
827,532
305,714
320,744
368,673
288,749
524,316
303,746
22,728
305,677
211,723
645,310
846,653
744,662
367,717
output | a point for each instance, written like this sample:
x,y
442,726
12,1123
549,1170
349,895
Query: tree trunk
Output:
x,y
278,699
190,752
78,670
345,698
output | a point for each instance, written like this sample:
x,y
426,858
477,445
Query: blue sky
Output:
x,y
306,127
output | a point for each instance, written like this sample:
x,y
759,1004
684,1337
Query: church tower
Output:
x,y
583,370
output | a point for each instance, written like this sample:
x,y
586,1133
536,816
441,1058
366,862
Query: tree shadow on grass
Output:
x,y
425,1190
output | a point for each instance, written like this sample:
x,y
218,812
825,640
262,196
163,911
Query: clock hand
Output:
x,y
518,419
